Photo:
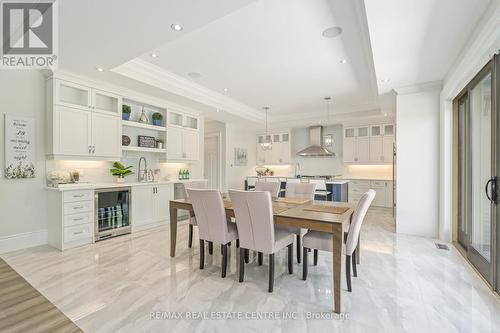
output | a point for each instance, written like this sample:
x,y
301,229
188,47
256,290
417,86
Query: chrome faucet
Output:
x,y
142,174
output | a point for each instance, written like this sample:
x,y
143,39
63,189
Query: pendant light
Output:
x,y
266,143
328,139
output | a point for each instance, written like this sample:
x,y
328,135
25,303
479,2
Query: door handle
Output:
x,y
493,197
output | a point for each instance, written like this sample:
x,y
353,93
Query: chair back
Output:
x,y
254,218
293,180
300,190
210,214
320,184
272,180
357,220
193,185
270,187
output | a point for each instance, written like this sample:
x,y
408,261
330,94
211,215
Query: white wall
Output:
x,y
237,137
417,142
23,202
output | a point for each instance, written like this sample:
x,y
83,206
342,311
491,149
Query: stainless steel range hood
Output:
x,y
316,144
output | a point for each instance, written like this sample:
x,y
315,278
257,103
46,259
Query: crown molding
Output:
x,y
420,87
156,76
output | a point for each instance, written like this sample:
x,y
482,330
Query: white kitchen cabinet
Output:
x,y
106,135
182,144
82,122
72,131
150,205
190,145
280,153
368,144
70,218
384,190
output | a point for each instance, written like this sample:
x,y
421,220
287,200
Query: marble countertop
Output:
x,y
92,186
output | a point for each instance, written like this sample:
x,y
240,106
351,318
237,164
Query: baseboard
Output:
x,y
23,241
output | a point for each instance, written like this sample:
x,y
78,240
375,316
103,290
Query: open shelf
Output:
x,y
144,126
144,149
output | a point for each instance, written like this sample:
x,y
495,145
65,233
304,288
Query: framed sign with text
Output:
x,y
19,147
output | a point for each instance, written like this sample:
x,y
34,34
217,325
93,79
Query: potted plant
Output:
x,y
126,111
157,117
75,176
120,171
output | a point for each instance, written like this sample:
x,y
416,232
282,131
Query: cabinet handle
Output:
x,y
78,207
90,149
93,149
78,196
78,219
77,232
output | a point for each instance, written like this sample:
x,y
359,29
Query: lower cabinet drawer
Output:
x,y
78,207
80,195
77,219
78,232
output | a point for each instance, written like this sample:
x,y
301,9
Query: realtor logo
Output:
x,y
29,34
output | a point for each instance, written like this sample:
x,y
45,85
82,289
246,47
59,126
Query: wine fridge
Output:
x,y
112,212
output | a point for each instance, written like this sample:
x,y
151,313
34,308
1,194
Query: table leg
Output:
x,y
173,230
337,266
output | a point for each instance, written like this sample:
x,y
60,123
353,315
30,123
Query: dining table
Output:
x,y
325,216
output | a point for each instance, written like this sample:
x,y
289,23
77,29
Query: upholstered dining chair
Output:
x,y
271,187
192,219
257,232
212,223
318,240
299,191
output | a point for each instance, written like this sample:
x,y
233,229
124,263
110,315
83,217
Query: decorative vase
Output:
x,y
143,118
120,179
125,116
159,145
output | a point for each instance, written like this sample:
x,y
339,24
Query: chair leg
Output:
x,y
315,257
237,243
348,272
299,250
260,257
353,260
224,260
247,256
210,248
202,253
221,250
290,258
271,272
242,264
304,264
190,238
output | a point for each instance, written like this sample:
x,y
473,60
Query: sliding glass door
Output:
x,y
477,170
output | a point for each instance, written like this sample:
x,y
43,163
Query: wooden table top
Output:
x,y
293,209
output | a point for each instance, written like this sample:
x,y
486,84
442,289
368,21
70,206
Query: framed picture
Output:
x,y
240,157
19,147
146,141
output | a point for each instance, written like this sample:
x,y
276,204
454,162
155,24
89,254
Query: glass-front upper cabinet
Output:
x,y
72,95
174,118
375,130
349,133
389,129
106,102
191,122
362,131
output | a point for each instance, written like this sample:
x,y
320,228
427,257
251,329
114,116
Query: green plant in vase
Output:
x,y
126,111
121,171
157,117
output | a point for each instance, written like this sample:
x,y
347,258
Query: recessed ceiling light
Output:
x,y
385,114
332,32
225,90
385,80
218,110
99,69
194,75
343,61
176,27
154,55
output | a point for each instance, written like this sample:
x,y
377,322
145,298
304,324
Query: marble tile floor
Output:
x,y
404,284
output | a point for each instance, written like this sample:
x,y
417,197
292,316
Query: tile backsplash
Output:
x,y
98,171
